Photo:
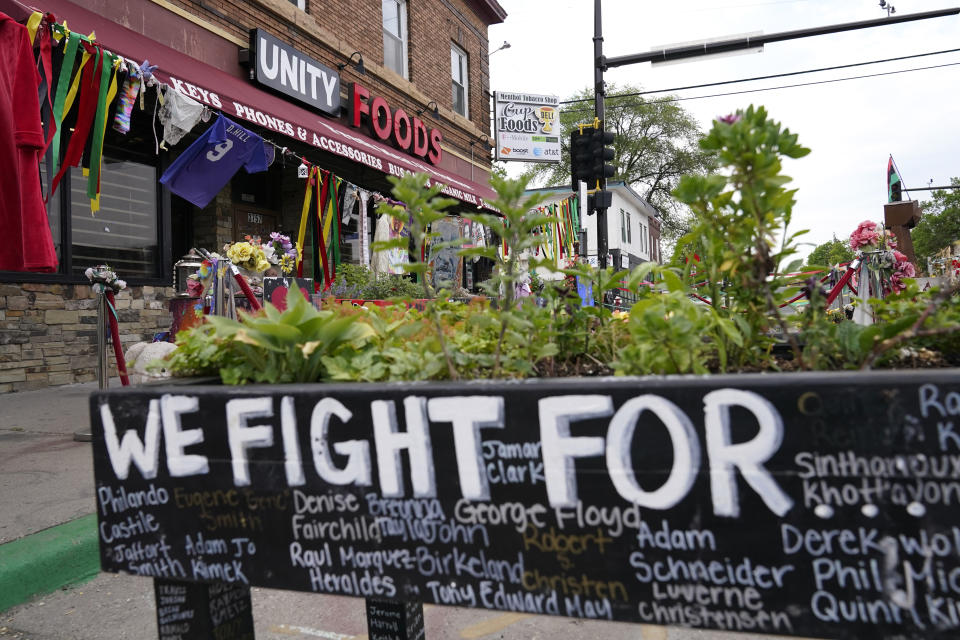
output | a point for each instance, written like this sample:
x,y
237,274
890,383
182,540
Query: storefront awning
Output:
x,y
238,99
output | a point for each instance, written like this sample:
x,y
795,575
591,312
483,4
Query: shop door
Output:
x,y
252,221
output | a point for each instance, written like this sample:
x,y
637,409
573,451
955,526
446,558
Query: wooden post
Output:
x,y
196,611
900,217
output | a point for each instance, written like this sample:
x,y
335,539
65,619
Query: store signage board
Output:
x,y
395,126
817,505
527,127
277,65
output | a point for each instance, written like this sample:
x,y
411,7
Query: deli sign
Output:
x,y
279,66
396,126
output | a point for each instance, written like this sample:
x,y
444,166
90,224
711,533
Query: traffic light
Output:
x,y
601,153
581,159
599,200
590,153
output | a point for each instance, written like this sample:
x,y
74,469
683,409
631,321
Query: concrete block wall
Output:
x,y
48,332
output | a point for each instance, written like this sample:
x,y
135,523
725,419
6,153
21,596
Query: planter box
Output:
x,y
818,505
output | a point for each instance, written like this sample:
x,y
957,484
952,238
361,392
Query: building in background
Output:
x,y
423,62
633,227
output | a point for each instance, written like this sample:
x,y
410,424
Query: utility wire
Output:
x,y
769,77
786,86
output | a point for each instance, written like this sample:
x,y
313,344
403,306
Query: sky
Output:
x,y
851,126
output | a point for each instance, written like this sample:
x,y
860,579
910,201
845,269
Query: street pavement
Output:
x,y
48,551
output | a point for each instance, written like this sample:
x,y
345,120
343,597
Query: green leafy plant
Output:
x,y
714,308
672,333
277,346
739,213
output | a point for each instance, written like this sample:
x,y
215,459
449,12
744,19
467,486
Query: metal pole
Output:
x,y
749,42
599,94
103,360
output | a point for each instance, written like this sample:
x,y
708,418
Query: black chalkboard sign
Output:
x,y
391,620
195,611
824,505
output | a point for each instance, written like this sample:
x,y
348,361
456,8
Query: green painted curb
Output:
x,y
47,560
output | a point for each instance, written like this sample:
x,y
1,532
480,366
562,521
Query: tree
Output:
x,y
830,253
939,225
656,142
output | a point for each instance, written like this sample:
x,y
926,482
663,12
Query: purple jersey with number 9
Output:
x,y
201,171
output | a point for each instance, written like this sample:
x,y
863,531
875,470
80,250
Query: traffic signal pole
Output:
x,y
693,51
599,95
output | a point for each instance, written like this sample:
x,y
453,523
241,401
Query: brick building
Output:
x,y
423,63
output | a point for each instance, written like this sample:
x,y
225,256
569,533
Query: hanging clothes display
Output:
x,y
380,263
205,167
397,256
178,115
27,242
364,196
128,98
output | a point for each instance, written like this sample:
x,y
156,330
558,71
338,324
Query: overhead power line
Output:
x,y
769,77
785,86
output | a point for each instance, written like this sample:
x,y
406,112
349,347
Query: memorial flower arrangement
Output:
x,y
257,256
878,247
282,252
870,236
248,255
102,277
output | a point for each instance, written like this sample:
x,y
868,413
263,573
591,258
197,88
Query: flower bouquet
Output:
x,y
257,257
877,249
102,277
105,282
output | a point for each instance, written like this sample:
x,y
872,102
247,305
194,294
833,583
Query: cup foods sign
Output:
x,y
527,127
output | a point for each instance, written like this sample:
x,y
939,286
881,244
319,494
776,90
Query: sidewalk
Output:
x,y
48,531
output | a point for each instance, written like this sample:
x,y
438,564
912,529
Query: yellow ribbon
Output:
x,y
314,174
111,94
33,23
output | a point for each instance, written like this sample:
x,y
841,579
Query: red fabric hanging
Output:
x,y
27,243
89,96
45,43
321,202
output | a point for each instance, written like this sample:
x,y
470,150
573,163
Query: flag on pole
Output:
x,y
893,182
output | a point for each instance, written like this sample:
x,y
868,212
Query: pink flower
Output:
x,y
896,282
865,235
729,118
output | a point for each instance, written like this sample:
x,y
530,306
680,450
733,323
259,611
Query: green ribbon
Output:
x,y
93,179
63,85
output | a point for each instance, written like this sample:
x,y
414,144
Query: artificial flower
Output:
x,y
102,277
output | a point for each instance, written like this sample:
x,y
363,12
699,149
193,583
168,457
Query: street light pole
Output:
x,y
599,95
749,42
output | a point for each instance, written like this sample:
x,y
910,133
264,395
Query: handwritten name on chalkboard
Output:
x,y
738,504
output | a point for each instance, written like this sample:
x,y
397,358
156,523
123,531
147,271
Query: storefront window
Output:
x,y
395,36
123,233
128,231
458,69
